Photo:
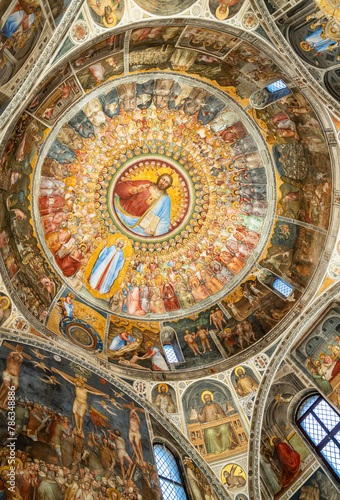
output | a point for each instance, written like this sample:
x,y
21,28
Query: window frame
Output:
x,y
174,352
317,449
275,289
168,448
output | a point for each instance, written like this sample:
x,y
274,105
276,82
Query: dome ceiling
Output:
x,y
162,191
154,167
169,210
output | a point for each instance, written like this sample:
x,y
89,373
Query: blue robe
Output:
x,y
107,267
317,42
118,343
162,209
13,22
69,309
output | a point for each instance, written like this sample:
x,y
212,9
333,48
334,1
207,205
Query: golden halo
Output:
x,y
323,354
221,16
113,490
5,467
149,344
8,301
272,439
163,385
239,368
303,48
190,465
110,25
315,361
204,393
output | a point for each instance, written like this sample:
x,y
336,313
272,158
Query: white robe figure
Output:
x,y
106,269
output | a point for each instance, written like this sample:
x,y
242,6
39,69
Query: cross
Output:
x,y
131,406
17,348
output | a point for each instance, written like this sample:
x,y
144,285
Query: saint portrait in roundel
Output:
x,y
144,207
108,265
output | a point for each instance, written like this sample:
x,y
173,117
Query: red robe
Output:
x,y
290,462
336,370
68,264
135,204
235,132
50,204
170,300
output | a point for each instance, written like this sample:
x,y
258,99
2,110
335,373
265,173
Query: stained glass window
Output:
x,y
278,85
282,287
169,474
170,353
320,423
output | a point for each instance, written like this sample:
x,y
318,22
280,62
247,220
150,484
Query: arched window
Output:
x,y
171,345
169,474
278,85
282,287
320,424
170,353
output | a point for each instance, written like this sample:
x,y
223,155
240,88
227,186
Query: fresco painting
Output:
x,y
196,335
153,197
233,477
318,355
164,398
75,321
209,41
243,70
293,253
284,456
158,200
198,484
300,158
319,486
50,87
76,434
32,277
162,209
244,381
136,345
5,308
224,9
21,25
213,423
106,13
145,38
99,50
59,101
253,311
165,8
101,71
58,9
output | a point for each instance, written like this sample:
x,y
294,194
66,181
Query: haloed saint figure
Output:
x,y
107,267
144,207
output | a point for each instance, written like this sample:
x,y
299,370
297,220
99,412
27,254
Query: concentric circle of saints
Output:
x,y
152,197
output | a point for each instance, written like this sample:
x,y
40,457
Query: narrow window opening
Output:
x,y
169,474
320,424
282,287
278,85
170,353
